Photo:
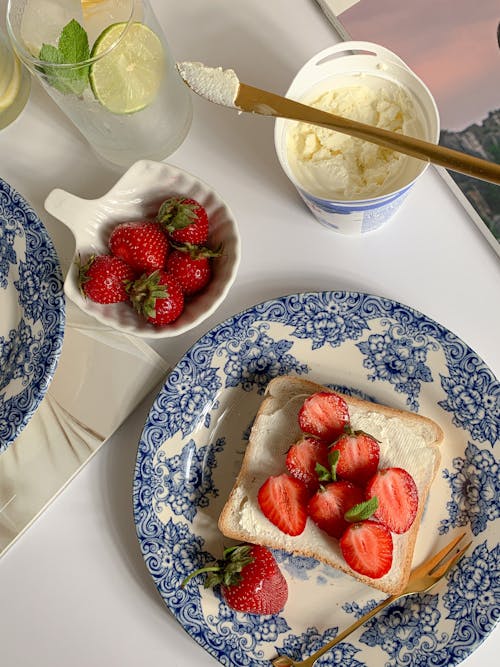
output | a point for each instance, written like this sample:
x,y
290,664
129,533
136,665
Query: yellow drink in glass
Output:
x,y
15,84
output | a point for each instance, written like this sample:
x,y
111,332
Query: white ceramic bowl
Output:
x,y
138,194
32,313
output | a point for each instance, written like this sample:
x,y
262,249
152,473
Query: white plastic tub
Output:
x,y
350,64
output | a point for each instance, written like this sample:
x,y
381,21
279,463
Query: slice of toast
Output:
x,y
407,440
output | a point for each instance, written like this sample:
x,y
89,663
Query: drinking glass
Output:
x,y
15,84
107,65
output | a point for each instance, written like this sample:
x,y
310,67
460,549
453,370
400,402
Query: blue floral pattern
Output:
x,y
475,491
19,351
194,385
327,321
31,334
199,425
472,599
311,640
9,230
409,630
254,361
184,482
473,397
399,356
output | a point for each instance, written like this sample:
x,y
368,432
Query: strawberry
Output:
x,y
184,219
324,415
367,548
190,264
359,455
282,499
397,496
329,504
250,579
302,458
157,297
141,244
103,279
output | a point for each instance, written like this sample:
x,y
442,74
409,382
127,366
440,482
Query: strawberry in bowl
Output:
x,y
129,222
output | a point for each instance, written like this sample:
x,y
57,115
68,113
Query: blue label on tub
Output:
x,y
355,217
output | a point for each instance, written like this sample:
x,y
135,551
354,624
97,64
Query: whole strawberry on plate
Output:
x,y
142,244
191,265
157,297
184,219
104,279
250,579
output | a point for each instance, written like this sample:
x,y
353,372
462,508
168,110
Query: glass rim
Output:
x,y
32,61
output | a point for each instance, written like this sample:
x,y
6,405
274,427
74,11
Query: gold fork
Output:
x,y
422,578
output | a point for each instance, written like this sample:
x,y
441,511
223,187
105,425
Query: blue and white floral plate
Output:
x,y
32,313
192,445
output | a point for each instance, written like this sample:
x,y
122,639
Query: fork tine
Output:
x,y
447,565
435,560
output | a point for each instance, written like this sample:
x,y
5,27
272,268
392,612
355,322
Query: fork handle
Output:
x,y
308,662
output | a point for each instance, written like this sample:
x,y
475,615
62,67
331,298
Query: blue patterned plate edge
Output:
x,y
41,299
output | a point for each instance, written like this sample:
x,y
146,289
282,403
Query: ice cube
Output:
x,y
43,20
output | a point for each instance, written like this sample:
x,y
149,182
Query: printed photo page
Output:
x,y
454,47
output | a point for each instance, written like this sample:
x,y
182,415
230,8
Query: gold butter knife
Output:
x,y
223,87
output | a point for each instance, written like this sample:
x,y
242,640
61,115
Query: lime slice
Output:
x,y
10,93
127,79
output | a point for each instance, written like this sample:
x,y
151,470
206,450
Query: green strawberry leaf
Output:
x,y
322,473
333,459
72,48
328,474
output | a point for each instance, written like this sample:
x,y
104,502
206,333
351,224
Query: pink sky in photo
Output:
x,y
451,44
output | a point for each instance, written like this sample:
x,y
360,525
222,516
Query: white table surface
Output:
x,y
74,590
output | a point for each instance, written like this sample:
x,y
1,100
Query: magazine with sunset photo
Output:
x,y
454,47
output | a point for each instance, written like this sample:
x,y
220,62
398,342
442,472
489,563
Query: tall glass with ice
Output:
x,y
107,65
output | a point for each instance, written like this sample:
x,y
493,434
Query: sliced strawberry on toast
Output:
x,y
302,459
283,500
367,548
359,455
329,504
397,496
324,415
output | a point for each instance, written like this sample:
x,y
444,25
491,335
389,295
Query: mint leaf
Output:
x,y
50,54
74,43
362,511
72,47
